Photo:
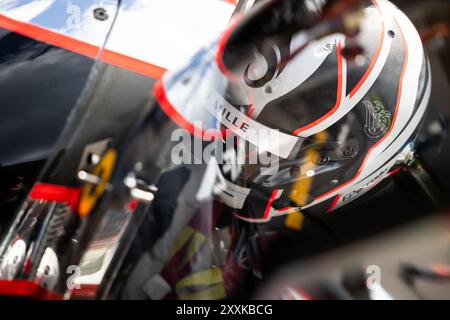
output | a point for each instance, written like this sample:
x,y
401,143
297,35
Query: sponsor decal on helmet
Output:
x,y
371,183
378,119
231,120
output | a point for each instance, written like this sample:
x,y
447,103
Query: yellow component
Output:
x,y
300,191
321,136
91,193
187,235
212,279
294,221
180,241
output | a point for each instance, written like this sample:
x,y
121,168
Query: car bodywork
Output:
x,y
50,52
76,77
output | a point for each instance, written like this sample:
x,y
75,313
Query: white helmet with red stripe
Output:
x,y
340,90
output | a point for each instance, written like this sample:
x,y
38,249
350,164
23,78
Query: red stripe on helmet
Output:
x,y
269,204
338,95
391,173
266,215
340,80
374,58
335,201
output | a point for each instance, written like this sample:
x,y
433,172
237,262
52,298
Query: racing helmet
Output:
x,y
321,101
